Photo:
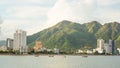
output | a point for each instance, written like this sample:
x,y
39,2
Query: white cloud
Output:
x,y
24,1
77,10
35,15
26,12
110,15
23,14
36,1
31,26
108,2
83,11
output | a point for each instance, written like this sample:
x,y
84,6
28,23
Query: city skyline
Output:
x,y
19,44
36,15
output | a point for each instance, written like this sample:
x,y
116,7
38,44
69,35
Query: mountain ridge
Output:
x,y
67,35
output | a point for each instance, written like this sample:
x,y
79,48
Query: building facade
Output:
x,y
20,41
111,44
3,48
107,48
55,50
100,45
9,44
38,46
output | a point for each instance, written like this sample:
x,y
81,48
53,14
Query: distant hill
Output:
x,y
109,31
67,35
3,42
92,27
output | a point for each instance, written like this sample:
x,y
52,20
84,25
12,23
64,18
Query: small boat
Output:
x,y
64,56
51,55
85,56
36,55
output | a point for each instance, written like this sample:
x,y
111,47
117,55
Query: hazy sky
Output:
x,y
35,15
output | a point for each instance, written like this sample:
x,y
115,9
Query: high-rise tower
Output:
x,y
9,44
20,41
111,44
100,45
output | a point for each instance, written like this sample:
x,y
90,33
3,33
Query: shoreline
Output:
x,y
52,55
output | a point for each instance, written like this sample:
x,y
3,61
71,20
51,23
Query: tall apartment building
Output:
x,y
20,41
104,47
107,48
111,44
9,44
100,45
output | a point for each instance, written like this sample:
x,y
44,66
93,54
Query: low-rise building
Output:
x,y
118,50
38,46
43,49
80,51
84,51
55,50
99,50
89,52
3,48
49,50
94,50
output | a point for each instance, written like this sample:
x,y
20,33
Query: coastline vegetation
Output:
x,y
32,52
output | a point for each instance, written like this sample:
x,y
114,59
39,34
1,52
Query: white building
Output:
x,y
94,50
89,52
49,50
100,45
118,50
84,51
3,48
20,41
55,50
107,48
80,51
9,44
43,49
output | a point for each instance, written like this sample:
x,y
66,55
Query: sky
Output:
x,y
36,15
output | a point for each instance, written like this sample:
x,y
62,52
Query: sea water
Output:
x,y
59,62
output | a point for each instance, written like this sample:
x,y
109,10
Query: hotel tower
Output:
x,y
20,41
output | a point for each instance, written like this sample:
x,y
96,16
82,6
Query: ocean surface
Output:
x,y
59,62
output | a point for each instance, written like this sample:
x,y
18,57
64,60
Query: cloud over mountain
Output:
x,y
40,14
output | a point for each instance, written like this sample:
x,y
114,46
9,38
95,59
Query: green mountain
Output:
x,y
117,42
92,27
109,31
67,35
